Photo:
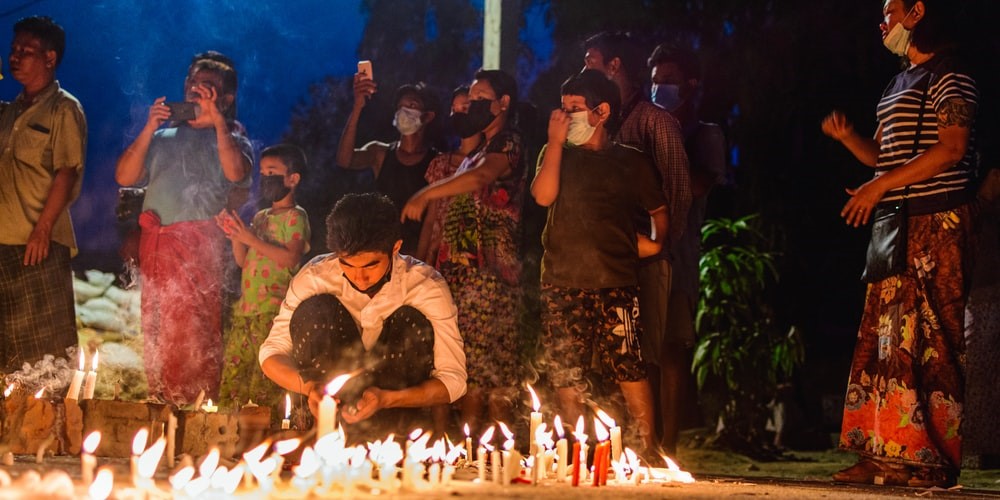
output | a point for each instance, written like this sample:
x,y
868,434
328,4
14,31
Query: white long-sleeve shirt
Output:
x,y
412,283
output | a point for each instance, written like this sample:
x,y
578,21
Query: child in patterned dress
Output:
x,y
270,253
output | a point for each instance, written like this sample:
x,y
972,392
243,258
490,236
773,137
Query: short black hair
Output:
x,y
685,60
595,88
460,90
290,155
363,222
937,29
51,35
219,63
428,99
502,83
621,45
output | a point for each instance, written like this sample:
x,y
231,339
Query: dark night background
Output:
x,y
773,69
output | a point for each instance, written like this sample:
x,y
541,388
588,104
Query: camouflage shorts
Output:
x,y
577,322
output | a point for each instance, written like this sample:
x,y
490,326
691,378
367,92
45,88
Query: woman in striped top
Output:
x,y
903,407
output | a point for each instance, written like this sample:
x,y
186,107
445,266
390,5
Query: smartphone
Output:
x,y
183,111
365,68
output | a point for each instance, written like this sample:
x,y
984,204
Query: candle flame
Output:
x,y
608,421
287,446
179,480
91,442
8,390
219,476
487,436
139,441
506,432
557,423
578,432
256,454
336,384
308,464
535,403
208,465
102,485
232,480
671,465
40,393
288,405
196,487
261,470
600,431
544,439
415,433
93,362
466,430
150,459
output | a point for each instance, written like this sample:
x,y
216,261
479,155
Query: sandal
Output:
x,y
893,475
862,472
929,477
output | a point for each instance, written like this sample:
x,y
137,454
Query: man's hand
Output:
x,y
315,394
364,87
37,248
859,208
558,126
372,400
207,96
158,113
414,209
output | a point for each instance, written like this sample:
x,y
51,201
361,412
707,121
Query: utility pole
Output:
x,y
501,20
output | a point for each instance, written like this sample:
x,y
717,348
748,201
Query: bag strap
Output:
x,y
920,121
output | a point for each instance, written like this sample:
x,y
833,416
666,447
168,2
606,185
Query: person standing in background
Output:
x,y
43,136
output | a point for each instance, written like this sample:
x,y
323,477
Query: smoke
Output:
x,y
50,372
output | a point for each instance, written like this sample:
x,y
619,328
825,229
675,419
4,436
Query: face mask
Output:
x,y
898,39
272,187
580,129
407,121
463,125
480,115
668,96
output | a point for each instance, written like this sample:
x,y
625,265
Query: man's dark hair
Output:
x,y
619,45
365,222
291,155
596,88
224,66
51,35
419,91
460,90
936,30
502,83
683,58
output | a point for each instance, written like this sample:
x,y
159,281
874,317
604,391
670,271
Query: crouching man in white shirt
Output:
x,y
366,309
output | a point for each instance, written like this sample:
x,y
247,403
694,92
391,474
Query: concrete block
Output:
x,y
118,422
198,432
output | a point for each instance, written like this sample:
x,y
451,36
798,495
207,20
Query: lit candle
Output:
x,y
579,453
600,465
138,446
91,381
209,407
496,465
87,459
285,422
74,386
561,450
101,488
148,462
327,420
508,466
468,444
633,464
484,443
616,435
536,420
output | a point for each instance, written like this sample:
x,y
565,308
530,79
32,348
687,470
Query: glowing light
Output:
x,y
81,360
40,393
308,465
287,446
93,362
91,442
578,432
219,477
605,418
336,384
256,454
102,485
557,423
208,465
8,390
233,480
179,480
487,437
535,403
139,441
288,406
600,431
150,459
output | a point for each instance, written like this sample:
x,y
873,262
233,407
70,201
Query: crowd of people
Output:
x,y
422,292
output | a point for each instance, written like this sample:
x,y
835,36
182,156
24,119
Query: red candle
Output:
x,y
576,463
598,459
605,463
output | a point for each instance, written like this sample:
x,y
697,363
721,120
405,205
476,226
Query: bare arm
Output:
x,y
131,164
492,167
60,193
366,157
286,256
865,149
428,393
545,186
652,246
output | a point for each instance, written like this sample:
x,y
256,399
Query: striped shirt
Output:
x,y
898,111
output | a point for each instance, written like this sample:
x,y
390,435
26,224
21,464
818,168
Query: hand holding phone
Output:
x,y
365,70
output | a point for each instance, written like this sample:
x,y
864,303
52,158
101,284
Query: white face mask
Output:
x,y
898,38
580,129
407,121
668,96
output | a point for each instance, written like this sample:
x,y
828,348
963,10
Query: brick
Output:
x,y
254,427
27,423
198,432
119,421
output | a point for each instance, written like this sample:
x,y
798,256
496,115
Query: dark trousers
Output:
x,y
326,343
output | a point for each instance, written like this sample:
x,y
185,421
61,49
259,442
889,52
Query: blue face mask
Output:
x,y
668,96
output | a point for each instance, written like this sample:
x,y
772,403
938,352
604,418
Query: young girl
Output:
x,y
269,251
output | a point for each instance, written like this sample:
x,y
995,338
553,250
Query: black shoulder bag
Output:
x,y
887,249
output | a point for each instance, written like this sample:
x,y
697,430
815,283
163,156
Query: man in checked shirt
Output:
x,y
655,131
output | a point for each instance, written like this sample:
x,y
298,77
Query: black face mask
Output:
x,y
480,115
463,125
272,187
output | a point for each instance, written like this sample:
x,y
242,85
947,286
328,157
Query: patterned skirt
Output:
x,y
906,388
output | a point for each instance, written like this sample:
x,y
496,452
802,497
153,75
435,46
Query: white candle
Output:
x,y
87,459
91,381
495,463
138,446
481,463
171,438
209,407
74,386
484,442
286,423
326,422
468,444
534,422
616,435
562,452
